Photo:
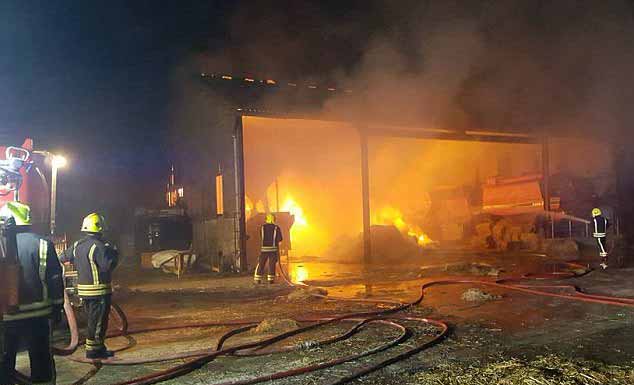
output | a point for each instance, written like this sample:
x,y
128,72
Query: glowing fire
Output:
x,y
299,230
292,207
248,207
299,273
389,215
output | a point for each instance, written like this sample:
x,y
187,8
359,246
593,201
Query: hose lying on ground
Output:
x,y
389,317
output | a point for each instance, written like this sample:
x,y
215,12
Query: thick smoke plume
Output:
x,y
562,68
526,65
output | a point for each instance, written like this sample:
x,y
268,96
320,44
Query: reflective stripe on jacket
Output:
x,y
41,283
271,237
600,224
95,260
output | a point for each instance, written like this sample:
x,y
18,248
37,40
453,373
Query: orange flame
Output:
x,y
248,207
389,215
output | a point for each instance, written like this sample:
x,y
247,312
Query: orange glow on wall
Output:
x,y
220,205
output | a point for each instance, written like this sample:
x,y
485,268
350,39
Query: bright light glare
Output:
x,y
59,161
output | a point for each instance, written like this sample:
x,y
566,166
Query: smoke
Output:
x,y
558,67
562,68
523,65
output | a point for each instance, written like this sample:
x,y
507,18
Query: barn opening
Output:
x,y
425,193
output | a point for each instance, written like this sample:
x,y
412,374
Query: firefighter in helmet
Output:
x,y
269,253
95,259
41,299
600,227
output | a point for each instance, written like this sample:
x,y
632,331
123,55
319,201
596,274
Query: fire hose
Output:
x,y
387,317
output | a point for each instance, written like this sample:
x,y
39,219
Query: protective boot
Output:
x,y
604,263
99,354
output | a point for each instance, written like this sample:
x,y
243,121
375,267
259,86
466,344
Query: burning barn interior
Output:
x,y
357,192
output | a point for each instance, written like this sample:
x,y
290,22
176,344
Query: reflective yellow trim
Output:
x,y
35,309
28,314
255,273
267,249
93,265
34,306
43,257
95,346
94,290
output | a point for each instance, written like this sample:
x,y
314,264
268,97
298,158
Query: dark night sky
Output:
x,y
98,70
91,79
95,79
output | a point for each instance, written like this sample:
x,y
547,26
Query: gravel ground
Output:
x,y
512,327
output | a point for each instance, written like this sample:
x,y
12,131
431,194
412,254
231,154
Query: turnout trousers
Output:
x,y
97,311
34,334
266,258
602,245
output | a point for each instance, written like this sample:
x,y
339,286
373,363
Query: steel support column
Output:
x,y
240,217
546,179
365,187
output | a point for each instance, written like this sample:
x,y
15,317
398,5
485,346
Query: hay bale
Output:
x,y
275,325
477,295
502,234
531,241
516,233
483,230
562,249
306,294
484,269
473,268
478,242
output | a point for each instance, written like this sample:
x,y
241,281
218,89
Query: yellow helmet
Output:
x,y
20,212
270,218
596,212
93,223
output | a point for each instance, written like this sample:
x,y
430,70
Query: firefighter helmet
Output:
x,y
270,218
596,212
20,212
93,223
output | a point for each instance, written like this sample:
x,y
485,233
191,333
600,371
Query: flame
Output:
x,y
292,207
299,273
248,207
389,215
299,230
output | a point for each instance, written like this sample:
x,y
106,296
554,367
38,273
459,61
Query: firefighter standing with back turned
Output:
x,y
95,259
600,226
271,238
41,298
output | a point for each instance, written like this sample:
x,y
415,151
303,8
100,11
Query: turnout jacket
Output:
x,y
600,228
94,259
41,285
271,237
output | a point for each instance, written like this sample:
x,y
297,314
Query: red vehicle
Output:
x,y
22,177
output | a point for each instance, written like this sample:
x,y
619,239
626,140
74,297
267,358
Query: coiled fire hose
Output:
x,y
389,317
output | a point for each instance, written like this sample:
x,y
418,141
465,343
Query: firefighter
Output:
x,y
269,252
41,299
600,228
94,259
